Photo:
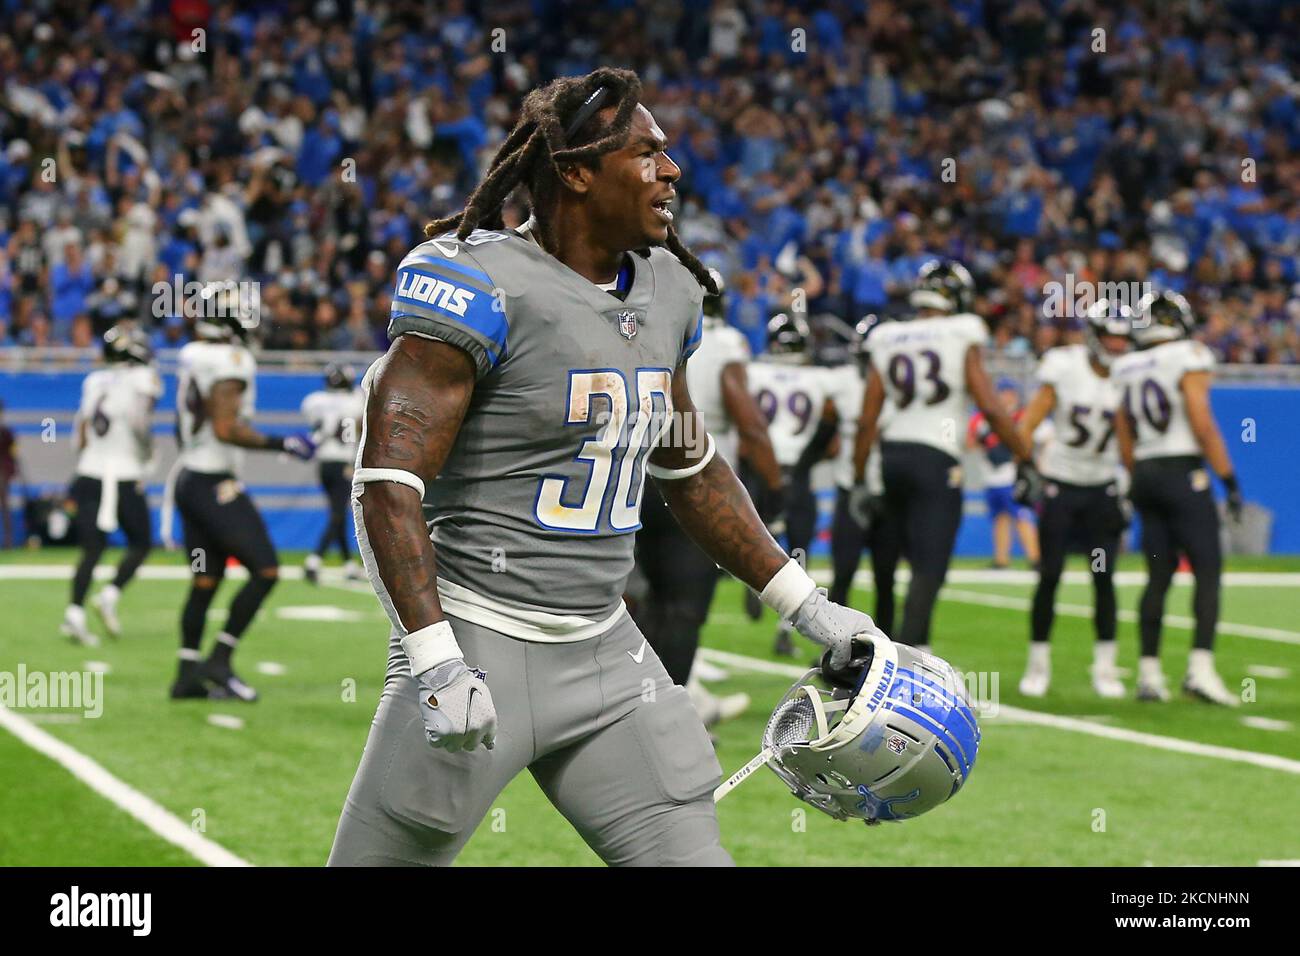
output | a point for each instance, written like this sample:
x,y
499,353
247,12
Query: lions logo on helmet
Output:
x,y
1162,318
944,285
892,737
1107,319
788,338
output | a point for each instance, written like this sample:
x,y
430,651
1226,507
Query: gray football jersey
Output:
x,y
537,504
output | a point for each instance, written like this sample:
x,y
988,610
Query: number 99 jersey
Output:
x,y
922,364
1083,450
1151,384
791,398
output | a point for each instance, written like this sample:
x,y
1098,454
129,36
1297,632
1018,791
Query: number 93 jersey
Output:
x,y
791,398
536,505
922,364
1083,450
1151,384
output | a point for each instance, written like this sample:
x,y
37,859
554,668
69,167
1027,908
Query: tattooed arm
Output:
x,y
712,505
417,400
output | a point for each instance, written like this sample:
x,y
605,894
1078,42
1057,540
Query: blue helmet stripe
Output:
x,y
964,761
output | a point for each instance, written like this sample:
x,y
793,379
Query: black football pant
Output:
x,y
848,538
132,518
800,512
1173,497
681,580
919,519
1086,517
336,478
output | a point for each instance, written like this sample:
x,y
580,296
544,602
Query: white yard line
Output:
x,y
122,795
1073,724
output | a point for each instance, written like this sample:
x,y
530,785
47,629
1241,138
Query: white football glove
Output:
x,y
833,626
456,706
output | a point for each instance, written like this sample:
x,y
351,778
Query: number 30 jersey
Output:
x,y
922,364
791,397
1083,450
534,512
1151,383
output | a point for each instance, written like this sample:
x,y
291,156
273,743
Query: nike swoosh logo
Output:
x,y
639,656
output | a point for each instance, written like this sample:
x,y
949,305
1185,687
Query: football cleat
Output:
x,y
197,690
1209,687
105,605
74,626
713,708
220,675
1152,689
353,572
1107,683
1035,682
311,568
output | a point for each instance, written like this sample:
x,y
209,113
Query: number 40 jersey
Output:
x,y
1151,383
1083,450
922,364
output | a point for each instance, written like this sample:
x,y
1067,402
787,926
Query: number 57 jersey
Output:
x,y
534,513
1083,449
922,364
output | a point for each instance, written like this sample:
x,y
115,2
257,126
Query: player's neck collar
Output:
x,y
618,287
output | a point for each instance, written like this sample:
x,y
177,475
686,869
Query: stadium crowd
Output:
x,y
829,147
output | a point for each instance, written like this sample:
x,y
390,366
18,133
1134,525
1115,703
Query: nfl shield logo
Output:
x,y
896,744
627,323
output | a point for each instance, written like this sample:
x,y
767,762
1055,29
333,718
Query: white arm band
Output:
x,y
672,474
430,646
788,589
363,475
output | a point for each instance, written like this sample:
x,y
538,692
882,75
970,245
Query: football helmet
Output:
x,y
1165,317
227,312
1106,318
715,306
127,343
339,376
945,285
892,737
788,337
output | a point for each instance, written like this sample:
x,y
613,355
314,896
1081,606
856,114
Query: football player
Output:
x,y
924,367
538,374
848,537
680,577
795,398
1167,435
113,430
215,398
1081,502
334,414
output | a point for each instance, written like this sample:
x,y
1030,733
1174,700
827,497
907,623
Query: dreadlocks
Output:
x,y
536,149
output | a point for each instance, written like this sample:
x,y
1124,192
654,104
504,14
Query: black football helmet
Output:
x,y
788,336
339,376
715,306
228,311
127,343
1106,317
945,285
1162,318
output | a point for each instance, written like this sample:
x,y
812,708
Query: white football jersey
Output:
x,y
200,365
791,397
116,403
1150,383
720,345
1082,449
335,419
922,365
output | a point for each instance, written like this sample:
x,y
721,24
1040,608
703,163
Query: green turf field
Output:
x,y
269,790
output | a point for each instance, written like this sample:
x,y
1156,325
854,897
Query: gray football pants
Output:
x,y
613,743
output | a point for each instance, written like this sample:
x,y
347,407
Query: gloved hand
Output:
x,y
862,505
300,446
1235,500
1028,489
456,706
833,626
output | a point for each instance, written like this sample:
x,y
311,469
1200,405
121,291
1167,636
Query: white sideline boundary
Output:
x,y
1072,724
120,794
